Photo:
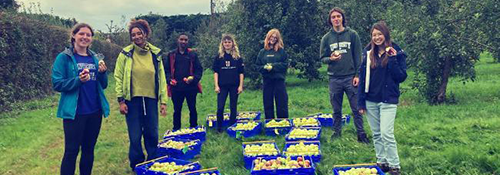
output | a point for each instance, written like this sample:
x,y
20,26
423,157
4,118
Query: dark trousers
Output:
x,y
80,132
142,121
274,91
337,87
232,91
178,99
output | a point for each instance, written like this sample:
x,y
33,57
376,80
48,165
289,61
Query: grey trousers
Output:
x,y
337,87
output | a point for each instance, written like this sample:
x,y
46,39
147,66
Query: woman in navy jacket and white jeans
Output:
x,y
383,68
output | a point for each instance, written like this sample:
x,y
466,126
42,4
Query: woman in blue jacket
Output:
x,y
81,78
383,68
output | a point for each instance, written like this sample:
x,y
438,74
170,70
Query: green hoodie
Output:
x,y
350,49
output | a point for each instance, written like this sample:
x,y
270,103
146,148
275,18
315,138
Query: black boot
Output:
x,y
395,171
362,138
384,167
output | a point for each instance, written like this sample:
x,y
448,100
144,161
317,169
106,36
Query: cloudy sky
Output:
x,y
98,13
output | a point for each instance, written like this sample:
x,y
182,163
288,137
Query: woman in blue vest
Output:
x,y
81,78
382,70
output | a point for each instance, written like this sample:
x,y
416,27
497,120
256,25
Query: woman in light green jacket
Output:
x,y
141,88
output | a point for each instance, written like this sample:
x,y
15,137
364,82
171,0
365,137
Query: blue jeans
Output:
x,y
142,121
381,117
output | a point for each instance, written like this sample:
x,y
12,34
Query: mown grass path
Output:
x,y
459,138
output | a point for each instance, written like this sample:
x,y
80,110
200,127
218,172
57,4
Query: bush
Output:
x,y
27,50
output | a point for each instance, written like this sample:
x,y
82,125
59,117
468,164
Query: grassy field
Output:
x,y
459,138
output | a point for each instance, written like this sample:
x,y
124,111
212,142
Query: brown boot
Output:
x,y
395,171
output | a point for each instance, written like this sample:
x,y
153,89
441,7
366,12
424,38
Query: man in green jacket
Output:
x,y
341,49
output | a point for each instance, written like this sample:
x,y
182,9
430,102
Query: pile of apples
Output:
x,y
177,144
359,171
185,131
247,115
214,117
325,115
280,163
303,133
298,122
275,124
245,126
169,167
261,149
302,149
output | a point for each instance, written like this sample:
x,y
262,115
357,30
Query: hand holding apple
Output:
x,y
173,82
390,51
84,75
102,66
335,56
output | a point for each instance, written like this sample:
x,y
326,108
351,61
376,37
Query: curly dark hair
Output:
x,y
142,24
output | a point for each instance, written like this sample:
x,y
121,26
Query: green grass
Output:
x,y
459,138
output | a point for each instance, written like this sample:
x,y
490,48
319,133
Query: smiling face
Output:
x,y
182,42
83,38
228,44
336,19
378,37
273,39
138,37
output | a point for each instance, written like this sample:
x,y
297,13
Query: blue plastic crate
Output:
x,y
294,171
191,136
318,136
249,159
316,124
143,168
325,119
212,120
254,115
245,133
210,171
180,154
315,158
274,131
337,169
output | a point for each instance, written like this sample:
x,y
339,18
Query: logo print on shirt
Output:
x,y
228,63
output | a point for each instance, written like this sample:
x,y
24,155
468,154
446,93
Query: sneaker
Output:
x,y
362,138
395,171
384,167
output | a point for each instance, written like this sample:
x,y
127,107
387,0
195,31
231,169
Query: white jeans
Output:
x,y
381,117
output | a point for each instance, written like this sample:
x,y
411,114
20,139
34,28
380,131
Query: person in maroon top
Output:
x,y
183,72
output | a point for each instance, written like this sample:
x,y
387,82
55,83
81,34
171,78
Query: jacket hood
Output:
x,y
396,46
69,51
346,29
153,48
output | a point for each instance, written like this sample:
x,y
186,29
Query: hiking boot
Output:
x,y
384,167
395,171
362,138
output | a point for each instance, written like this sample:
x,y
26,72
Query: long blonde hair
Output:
x,y
279,43
235,52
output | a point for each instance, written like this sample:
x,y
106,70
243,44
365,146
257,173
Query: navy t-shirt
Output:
x,y
88,99
229,70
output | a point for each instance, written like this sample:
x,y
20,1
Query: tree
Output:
x,y
439,37
159,35
8,4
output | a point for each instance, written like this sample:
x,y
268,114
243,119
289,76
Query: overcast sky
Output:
x,y
98,13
